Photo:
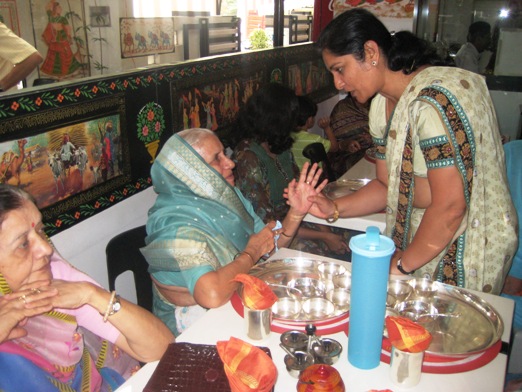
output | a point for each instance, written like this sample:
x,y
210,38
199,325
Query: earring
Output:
x,y
374,63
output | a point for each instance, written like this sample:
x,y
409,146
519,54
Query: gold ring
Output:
x,y
22,298
35,291
308,182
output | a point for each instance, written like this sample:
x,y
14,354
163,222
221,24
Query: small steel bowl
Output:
x,y
286,308
340,298
328,270
343,281
308,287
424,288
399,289
317,308
415,309
294,341
327,351
298,362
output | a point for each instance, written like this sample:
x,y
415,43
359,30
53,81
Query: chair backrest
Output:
x,y
123,254
317,154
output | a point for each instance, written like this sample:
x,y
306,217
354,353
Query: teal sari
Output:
x,y
199,222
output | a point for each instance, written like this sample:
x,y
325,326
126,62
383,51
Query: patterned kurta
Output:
x,y
445,117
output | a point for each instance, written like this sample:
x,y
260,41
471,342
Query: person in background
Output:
x,y
469,54
59,330
349,123
440,170
265,164
302,137
17,58
202,232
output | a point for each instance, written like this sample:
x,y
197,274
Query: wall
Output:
x,y
82,222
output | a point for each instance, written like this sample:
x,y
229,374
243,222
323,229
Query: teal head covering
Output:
x,y
198,217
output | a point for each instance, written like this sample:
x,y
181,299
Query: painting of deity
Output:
x,y
60,34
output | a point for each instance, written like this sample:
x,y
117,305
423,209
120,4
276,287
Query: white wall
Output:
x,y
84,244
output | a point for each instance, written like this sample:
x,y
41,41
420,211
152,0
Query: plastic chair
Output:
x,y
317,154
123,254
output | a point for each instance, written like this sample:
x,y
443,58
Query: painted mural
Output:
x,y
381,8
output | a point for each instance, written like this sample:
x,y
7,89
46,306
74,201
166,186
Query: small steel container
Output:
x,y
294,341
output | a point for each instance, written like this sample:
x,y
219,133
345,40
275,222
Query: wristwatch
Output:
x,y
402,270
116,305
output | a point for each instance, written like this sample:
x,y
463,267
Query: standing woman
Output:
x,y
441,175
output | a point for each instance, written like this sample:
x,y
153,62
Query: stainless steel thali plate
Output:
x,y
344,186
298,278
460,322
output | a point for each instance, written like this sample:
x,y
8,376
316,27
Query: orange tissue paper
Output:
x,y
257,295
407,335
248,368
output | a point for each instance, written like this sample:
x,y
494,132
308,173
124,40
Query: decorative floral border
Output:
x,y
42,99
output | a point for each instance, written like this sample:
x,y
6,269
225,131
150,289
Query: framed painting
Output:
x,y
9,15
146,36
214,101
310,77
61,37
66,165
100,16
381,8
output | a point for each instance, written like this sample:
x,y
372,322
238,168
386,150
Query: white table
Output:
x,y
224,322
362,169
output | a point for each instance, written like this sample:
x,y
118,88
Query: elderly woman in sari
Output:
x,y
202,232
59,330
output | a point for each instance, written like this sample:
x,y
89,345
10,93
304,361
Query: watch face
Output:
x,y
116,305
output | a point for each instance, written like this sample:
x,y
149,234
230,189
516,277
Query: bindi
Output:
x,y
32,224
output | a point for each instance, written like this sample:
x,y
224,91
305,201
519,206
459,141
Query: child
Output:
x,y
302,138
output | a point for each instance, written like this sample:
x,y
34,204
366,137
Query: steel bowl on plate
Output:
x,y
399,289
424,288
343,281
308,287
328,270
287,308
415,309
340,298
317,308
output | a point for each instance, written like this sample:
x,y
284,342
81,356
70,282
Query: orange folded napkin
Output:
x,y
248,368
257,295
407,335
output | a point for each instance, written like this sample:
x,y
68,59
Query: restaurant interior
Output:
x,y
207,48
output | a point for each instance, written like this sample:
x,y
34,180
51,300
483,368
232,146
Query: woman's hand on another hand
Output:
x,y
262,242
17,307
298,193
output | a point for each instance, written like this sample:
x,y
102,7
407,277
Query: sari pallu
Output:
x,y
198,220
57,355
481,252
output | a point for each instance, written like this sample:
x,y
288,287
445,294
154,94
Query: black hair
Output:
x,y
12,198
403,51
307,109
478,29
270,115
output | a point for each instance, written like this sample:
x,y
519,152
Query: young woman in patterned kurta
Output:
x,y
441,174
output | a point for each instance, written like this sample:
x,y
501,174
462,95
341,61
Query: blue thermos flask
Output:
x,y
371,255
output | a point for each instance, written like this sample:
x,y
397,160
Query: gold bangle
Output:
x,y
335,215
246,253
295,218
286,235
109,306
